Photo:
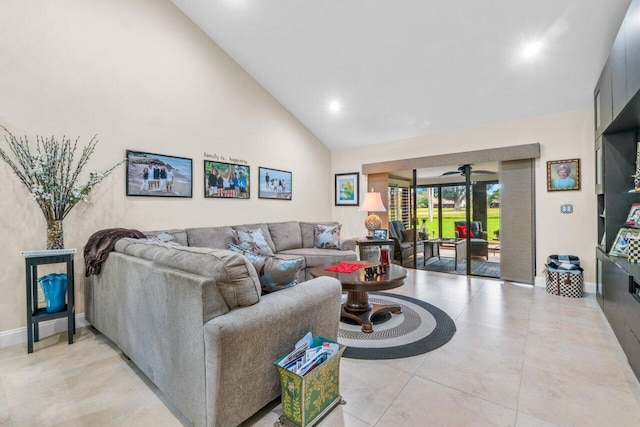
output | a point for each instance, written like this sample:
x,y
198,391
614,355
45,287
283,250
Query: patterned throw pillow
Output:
x,y
274,273
326,236
253,241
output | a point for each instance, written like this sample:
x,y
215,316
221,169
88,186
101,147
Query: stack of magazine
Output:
x,y
305,358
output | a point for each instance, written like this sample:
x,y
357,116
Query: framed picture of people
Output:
x,y
274,184
150,174
226,180
623,238
563,175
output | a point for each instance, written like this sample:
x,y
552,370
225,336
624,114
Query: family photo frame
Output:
x,y
347,189
380,234
274,184
633,219
563,175
620,246
158,175
226,180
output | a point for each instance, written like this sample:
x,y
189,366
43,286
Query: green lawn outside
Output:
x,y
449,216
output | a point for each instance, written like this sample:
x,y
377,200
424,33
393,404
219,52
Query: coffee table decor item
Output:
x,y
345,267
52,178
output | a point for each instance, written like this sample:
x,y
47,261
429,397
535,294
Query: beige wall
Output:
x,y
141,76
561,136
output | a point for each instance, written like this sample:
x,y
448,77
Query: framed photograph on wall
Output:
x,y
226,180
274,184
150,174
563,175
621,244
347,189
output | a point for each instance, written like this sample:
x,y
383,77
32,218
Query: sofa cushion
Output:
x,y
285,235
395,230
314,257
308,232
179,236
462,231
326,236
234,275
253,241
274,273
210,237
265,231
408,235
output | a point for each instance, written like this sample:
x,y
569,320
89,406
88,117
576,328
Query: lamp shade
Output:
x,y
372,202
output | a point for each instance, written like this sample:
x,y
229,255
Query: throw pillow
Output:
x,y
274,273
253,241
326,236
462,231
408,235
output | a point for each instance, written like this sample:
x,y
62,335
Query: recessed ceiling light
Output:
x,y
335,106
532,49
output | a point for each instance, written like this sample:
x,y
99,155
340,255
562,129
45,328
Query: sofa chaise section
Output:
x,y
193,321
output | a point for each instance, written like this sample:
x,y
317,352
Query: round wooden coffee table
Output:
x,y
357,307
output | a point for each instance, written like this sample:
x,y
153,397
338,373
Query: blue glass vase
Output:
x,y
54,287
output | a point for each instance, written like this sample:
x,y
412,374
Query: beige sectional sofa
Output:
x,y
190,315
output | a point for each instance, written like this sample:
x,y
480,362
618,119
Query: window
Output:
x,y
400,205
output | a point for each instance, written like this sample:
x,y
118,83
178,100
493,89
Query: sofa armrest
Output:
x,y
242,345
347,244
483,235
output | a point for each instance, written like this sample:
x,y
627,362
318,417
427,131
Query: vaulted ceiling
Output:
x,y
359,72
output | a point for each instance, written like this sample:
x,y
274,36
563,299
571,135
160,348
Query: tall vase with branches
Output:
x,y
49,173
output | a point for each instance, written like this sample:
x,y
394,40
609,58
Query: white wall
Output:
x,y
142,76
561,136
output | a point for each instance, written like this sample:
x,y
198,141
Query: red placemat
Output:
x,y
345,267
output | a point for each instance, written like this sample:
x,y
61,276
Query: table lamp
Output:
x,y
372,202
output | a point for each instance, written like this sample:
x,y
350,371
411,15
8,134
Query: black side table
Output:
x,y
35,314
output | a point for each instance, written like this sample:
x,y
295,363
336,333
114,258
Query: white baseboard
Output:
x,y
589,287
48,328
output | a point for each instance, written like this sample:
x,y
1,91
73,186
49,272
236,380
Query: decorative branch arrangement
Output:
x,y
50,175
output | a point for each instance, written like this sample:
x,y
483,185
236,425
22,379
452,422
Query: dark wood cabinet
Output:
x,y
602,101
632,35
617,105
618,64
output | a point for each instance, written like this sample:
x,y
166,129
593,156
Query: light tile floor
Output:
x,y
520,357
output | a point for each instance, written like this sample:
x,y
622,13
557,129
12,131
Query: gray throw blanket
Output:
x,y
101,243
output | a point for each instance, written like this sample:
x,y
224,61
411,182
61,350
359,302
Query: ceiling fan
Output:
x,y
462,170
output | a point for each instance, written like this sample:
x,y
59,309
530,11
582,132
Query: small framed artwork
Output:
x,y
563,175
274,184
226,180
380,234
633,219
150,174
347,189
621,244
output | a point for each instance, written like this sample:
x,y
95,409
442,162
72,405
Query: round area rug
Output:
x,y
420,328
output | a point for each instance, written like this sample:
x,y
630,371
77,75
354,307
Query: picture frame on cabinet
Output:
x,y
621,244
633,219
563,175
